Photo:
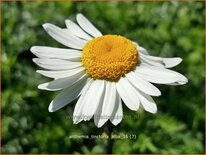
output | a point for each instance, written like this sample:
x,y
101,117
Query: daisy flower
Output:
x,y
104,71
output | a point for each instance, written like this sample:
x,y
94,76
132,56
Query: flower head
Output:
x,y
103,71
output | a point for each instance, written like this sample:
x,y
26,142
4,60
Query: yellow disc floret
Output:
x,y
109,57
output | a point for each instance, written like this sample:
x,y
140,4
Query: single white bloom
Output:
x,y
103,71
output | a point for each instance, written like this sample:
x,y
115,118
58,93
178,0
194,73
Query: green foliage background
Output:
x,y
165,28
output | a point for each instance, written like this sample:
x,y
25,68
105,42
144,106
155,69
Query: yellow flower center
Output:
x,y
109,57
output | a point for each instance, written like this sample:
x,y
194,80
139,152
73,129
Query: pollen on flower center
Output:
x,y
109,57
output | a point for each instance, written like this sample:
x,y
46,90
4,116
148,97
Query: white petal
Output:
x,y
105,110
56,64
171,62
64,37
89,80
66,96
177,83
77,114
88,26
147,102
159,75
159,61
95,96
61,74
135,43
117,113
59,53
142,50
62,83
76,30
142,84
128,94
153,58
153,63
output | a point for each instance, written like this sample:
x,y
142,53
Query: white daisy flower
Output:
x,y
104,71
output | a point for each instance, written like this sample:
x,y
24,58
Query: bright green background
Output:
x,y
165,28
